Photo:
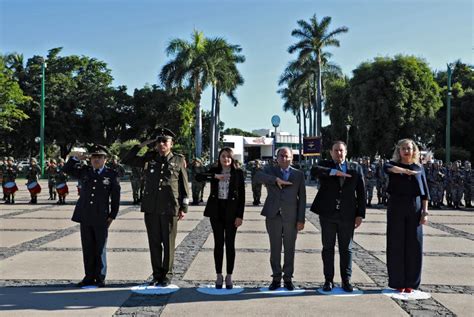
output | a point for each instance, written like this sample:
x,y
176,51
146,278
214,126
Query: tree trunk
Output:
x,y
300,110
212,122
319,97
198,126
216,123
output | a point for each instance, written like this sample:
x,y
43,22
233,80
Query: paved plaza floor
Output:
x,y
41,261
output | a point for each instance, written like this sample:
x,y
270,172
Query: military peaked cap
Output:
x,y
98,149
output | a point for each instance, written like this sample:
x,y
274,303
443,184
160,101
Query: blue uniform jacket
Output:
x,y
100,194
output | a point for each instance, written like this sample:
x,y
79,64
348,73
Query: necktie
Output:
x,y
96,172
286,174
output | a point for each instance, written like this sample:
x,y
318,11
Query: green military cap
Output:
x,y
197,159
163,134
61,160
10,158
5,158
52,161
98,149
33,160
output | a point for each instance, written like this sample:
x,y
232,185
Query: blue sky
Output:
x,y
131,36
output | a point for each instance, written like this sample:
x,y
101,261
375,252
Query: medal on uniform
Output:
x,y
152,171
106,181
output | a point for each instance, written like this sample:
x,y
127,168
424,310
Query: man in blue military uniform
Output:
x,y
164,202
95,210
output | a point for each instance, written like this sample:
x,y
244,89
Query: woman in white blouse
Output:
x,y
225,207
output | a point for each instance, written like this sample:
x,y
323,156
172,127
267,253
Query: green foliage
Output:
x,y
462,109
12,99
393,98
457,153
237,131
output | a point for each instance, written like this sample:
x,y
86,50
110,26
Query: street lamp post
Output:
x,y
276,124
43,66
448,114
348,127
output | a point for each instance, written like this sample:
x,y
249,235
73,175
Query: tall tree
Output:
x,y
394,98
189,67
225,78
12,101
198,63
313,38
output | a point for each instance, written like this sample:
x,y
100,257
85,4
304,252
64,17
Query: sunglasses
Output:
x,y
162,140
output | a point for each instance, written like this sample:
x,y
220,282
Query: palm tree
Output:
x,y
225,78
313,37
191,68
196,65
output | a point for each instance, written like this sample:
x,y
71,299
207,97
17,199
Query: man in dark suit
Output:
x,y
95,210
284,209
340,204
164,202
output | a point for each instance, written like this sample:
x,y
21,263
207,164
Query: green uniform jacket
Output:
x,y
166,181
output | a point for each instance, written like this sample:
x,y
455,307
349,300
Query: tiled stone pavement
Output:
x,y
40,260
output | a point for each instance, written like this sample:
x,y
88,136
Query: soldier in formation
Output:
x,y
61,183
370,179
9,175
381,180
51,171
255,167
468,177
197,187
116,166
136,179
32,176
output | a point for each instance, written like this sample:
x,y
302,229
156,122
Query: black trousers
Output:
x,y
161,231
224,231
94,242
330,228
404,242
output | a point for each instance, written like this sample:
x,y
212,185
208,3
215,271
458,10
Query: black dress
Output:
x,y
404,231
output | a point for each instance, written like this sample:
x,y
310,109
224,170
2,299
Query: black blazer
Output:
x,y
236,197
93,206
351,193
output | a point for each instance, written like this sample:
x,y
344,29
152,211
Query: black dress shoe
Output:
x,y
328,285
347,286
85,282
289,285
153,282
164,282
274,285
100,283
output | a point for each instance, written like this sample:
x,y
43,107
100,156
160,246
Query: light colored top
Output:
x,y
224,185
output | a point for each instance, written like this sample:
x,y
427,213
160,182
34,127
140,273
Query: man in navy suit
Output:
x,y
340,204
95,210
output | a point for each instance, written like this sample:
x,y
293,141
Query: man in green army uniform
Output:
x,y
116,166
3,166
136,179
9,174
165,200
197,187
468,177
32,176
51,171
256,186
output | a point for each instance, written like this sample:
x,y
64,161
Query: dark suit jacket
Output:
x,y
351,193
290,201
97,191
236,197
